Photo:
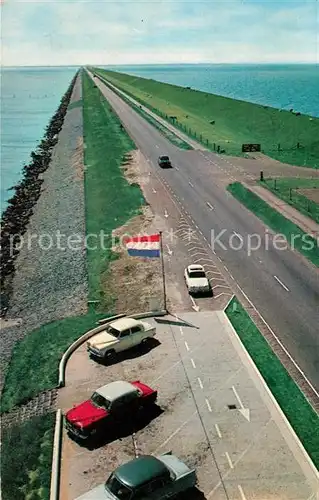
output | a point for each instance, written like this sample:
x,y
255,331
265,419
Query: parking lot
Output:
x,y
212,412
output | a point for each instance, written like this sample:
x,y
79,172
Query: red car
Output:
x,y
109,405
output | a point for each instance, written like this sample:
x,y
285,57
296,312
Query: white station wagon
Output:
x,y
118,336
196,279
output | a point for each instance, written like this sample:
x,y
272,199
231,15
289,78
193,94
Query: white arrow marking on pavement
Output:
x,y
194,306
244,411
242,494
209,205
154,190
169,250
165,213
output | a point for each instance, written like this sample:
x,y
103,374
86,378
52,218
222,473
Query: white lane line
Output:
x,y
209,205
281,283
242,494
181,330
191,185
200,383
193,363
208,405
219,434
229,460
226,268
186,345
176,168
236,234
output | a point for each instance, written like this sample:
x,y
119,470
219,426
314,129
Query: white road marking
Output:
x,y
281,283
156,146
236,234
194,306
209,205
200,383
176,168
186,345
191,185
226,268
193,363
219,434
208,405
181,330
244,411
165,213
154,190
220,286
229,460
242,494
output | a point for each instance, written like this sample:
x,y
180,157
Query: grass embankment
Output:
x,y
295,237
34,365
235,122
293,403
173,138
110,199
288,190
26,459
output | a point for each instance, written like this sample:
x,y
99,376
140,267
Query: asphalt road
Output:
x,y
282,285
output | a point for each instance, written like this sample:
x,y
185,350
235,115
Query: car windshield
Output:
x,y
113,331
164,158
117,488
197,274
99,401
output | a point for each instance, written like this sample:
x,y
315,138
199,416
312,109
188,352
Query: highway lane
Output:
x,y
293,314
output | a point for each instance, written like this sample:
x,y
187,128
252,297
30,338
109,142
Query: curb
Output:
x,y
56,458
235,339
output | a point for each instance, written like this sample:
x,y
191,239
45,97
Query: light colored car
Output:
x,y
146,478
118,336
196,279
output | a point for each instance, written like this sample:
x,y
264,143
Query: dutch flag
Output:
x,y
148,246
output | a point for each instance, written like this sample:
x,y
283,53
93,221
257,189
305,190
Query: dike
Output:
x,y
40,285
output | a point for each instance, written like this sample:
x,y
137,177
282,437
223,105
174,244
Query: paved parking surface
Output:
x,y
200,372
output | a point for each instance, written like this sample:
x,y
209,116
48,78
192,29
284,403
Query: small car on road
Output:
x,y
146,478
118,336
196,279
164,162
108,406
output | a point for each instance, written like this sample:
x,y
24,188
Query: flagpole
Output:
x,y
163,270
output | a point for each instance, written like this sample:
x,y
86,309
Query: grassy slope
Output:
x,y
298,411
173,138
302,242
235,121
35,359
26,459
110,200
298,201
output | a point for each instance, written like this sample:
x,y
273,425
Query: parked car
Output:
x,y
164,162
108,406
146,478
118,336
196,279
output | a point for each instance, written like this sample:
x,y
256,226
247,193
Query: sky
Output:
x,y
91,32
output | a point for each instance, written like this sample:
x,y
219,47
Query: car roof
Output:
x,y
141,470
116,389
124,323
195,267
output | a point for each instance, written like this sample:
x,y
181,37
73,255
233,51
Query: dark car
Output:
x,y
164,162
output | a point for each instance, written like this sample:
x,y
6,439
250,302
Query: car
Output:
x,y
196,279
164,161
146,478
118,336
108,406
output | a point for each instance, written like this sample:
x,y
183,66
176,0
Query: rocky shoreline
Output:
x,y
16,217
45,283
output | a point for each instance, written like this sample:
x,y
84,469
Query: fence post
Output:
x,y
201,138
207,142
275,186
214,146
261,176
278,147
290,193
218,148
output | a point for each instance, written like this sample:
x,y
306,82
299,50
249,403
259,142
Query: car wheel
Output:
x,y
109,356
